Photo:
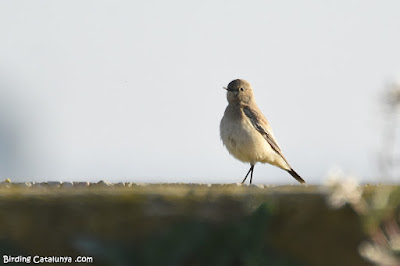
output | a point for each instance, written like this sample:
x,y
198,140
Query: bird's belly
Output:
x,y
246,144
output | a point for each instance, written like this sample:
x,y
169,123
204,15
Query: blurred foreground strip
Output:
x,y
186,224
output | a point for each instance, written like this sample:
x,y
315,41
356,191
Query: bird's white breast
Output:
x,y
244,142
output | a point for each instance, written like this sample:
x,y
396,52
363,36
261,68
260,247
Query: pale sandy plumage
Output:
x,y
247,134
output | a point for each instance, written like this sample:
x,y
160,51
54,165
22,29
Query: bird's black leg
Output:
x,y
251,176
250,170
246,175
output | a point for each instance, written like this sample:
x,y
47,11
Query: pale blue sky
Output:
x,y
131,91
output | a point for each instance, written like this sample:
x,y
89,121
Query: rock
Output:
x,y
54,183
27,184
67,185
34,184
80,184
104,183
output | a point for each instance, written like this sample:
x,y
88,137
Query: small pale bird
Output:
x,y
247,134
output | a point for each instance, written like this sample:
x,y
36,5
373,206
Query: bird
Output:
x,y
246,133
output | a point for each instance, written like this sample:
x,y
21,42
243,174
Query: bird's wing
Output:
x,y
260,123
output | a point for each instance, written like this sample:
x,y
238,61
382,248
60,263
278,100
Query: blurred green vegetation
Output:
x,y
194,242
180,224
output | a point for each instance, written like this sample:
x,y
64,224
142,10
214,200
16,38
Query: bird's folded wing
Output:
x,y
260,123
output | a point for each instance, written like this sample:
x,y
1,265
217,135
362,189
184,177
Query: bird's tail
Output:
x,y
296,176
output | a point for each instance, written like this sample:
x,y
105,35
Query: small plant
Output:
x,y
379,209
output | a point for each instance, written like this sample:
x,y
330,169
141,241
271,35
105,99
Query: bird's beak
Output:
x,y
224,88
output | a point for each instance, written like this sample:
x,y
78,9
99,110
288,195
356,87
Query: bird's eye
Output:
x,y
241,89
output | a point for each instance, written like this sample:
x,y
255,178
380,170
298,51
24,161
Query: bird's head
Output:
x,y
239,90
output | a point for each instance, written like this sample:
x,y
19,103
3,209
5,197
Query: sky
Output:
x,y
132,90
